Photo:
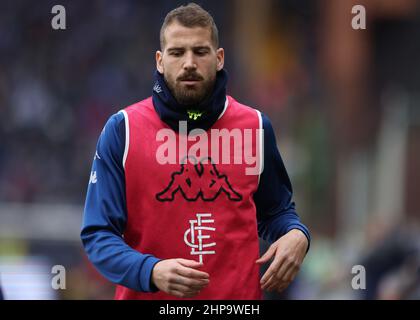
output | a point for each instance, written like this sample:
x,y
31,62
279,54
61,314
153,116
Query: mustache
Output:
x,y
190,76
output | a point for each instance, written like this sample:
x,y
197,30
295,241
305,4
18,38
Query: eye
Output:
x,y
201,52
175,54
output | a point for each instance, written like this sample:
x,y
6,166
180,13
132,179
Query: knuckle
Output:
x,y
288,279
289,260
271,271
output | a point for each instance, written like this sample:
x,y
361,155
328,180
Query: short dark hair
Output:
x,y
190,15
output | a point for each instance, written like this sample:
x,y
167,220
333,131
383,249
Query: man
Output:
x,y
164,220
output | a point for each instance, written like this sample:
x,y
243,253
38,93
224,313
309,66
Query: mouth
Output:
x,y
190,79
190,82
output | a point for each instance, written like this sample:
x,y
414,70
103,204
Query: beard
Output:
x,y
191,95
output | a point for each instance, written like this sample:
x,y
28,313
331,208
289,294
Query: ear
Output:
x,y
220,58
159,62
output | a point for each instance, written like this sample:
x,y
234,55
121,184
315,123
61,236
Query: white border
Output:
x,y
261,143
127,136
224,109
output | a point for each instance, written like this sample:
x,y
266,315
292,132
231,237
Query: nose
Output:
x,y
189,62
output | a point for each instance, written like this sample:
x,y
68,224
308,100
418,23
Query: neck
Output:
x,y
202,115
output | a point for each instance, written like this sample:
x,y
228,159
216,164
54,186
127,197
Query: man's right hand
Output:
x,y
179,277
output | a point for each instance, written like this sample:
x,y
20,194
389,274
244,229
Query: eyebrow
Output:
x,y
175,49
201,47
183,48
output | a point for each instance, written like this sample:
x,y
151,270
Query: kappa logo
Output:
x,y
96,156
199,181
195,232
157,88
93,179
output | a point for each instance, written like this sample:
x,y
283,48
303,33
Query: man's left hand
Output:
x,y
289,252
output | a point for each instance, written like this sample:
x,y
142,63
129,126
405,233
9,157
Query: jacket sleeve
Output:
x,y
105,215
276,212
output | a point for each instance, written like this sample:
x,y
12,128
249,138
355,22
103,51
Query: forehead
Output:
x,y
176,35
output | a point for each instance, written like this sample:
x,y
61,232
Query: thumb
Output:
x,y
267,255
189,263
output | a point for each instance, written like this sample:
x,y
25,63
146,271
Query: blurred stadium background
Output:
x,y
345,105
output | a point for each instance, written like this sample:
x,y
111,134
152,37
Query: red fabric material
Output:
x,y
157,224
